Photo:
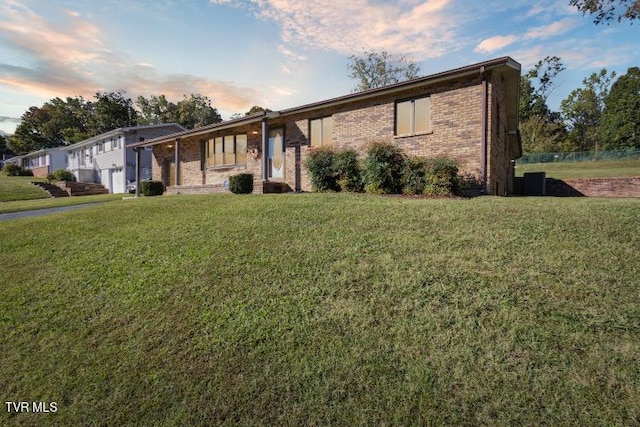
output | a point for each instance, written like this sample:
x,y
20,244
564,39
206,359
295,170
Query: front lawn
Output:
x,y
324,310
20,188
587,169
27,205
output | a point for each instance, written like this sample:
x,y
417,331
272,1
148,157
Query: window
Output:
x,y
321,131
226,151
413,116
100,147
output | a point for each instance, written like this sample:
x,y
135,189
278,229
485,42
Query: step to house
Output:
x,y
53,190
74,188
275,187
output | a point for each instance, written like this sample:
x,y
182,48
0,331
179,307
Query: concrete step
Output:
x,y
53,190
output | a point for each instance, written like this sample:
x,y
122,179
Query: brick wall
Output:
x,y
595,187
40,172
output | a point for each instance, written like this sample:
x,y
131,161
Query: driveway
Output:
x,y
38,212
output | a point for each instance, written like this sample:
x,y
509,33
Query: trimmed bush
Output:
x,y
152,188
61,175
15,170
441,177
241,183
384,168
321,167
348,172
415,176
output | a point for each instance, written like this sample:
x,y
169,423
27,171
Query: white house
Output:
x,y
41,162
108,159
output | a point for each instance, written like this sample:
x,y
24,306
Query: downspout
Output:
x,y
137,151
484,129
265,148
177,161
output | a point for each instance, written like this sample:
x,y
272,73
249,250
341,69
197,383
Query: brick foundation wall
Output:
x,y
594,187
40,172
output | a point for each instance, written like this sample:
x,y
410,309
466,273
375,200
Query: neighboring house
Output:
x,y
108,159
41,162
469,113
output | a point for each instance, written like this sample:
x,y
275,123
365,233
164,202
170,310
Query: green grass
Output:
x,y
324,310
20,188
27,205
572,170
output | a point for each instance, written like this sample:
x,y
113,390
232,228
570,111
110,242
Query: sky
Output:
x,y
279,53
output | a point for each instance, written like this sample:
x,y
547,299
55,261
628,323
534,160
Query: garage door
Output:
x,y
117,181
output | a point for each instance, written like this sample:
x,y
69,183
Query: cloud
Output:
x,y
71,57
551,30
419,29
495,43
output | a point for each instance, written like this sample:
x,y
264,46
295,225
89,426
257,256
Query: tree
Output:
x,y
156,110
606,10
541,129
4,148
32,134
376,69
620,125
196,111
256,109
111,110
582,111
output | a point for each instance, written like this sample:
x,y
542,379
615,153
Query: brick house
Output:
x,y
469,113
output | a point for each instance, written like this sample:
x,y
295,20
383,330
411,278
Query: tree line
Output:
x,y
73,119
604,113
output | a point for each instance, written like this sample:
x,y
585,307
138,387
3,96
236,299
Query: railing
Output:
x,y
579,156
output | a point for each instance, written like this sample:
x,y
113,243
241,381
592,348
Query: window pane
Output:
x,y
403,118
229,150
422,118
218,151
327,130
241,149
316,133
210,152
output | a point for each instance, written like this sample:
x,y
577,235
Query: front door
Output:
x,y
276,153
170,172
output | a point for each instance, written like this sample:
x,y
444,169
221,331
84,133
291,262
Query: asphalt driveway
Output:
x,y
38,212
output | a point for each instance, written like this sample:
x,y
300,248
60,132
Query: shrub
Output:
x,y
321,167
241,183
152,188
61,175
347,169
15,170
383,170
441,177
414,177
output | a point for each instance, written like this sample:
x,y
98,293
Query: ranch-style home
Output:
x,y
108,159
41,162
468,113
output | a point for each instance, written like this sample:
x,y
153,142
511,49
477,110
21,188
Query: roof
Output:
x,y
121,131
37,153
509,65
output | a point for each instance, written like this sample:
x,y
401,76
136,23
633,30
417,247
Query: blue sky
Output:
x,y
278,53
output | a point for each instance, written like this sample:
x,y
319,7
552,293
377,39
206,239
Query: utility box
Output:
x,y
534,183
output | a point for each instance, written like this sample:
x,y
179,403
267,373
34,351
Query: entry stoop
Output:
x,y
275,187
53,190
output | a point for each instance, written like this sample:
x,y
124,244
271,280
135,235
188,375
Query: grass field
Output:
x,y
26,205
572,170
20,188
324,310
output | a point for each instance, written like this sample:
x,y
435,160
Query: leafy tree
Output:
x,y
256,109
32,134
196,111
541,129
620,125
606,10
4,148
376,69
111,110
156,110
582,111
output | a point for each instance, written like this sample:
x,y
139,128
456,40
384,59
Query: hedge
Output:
x,y
152,188
241,183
